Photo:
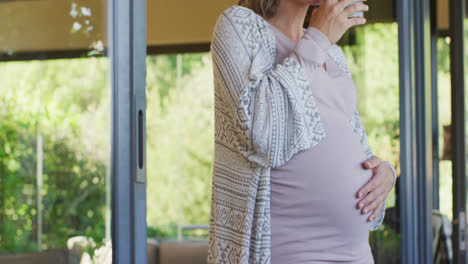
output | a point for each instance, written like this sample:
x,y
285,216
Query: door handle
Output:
x,y
140,147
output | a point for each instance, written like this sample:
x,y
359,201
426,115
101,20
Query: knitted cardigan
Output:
x,y
264,114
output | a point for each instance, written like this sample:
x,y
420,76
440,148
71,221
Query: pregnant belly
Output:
x,y
313,198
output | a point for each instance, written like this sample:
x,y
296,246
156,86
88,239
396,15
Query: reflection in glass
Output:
x,y
54,130
55,29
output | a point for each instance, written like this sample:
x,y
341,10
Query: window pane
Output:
x,y
179,144
55,130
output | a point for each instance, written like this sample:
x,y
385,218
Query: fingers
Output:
x,y
370,197
375,213
343,15
331,19
369,187
359,7
371,205
354,21
372,162
337,6
344,3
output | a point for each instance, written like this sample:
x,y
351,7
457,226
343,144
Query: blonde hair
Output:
x,y
265,8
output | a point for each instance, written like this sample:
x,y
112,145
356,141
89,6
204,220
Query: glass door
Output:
x,y
55,124
450,223
72,131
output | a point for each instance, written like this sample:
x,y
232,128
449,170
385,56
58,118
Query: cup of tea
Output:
x,y
357,14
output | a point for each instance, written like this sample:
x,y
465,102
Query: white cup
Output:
x,y
357,14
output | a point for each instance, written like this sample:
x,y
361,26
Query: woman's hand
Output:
x,y
377,189
331,17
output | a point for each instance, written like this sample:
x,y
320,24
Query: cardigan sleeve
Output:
x,y
271,109
359,130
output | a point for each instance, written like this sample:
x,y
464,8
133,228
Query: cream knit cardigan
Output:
x,y
263,116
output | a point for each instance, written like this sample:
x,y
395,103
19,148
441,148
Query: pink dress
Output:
x,y
314,218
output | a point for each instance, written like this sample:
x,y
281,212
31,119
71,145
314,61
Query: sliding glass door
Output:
x,y
72,131
55,131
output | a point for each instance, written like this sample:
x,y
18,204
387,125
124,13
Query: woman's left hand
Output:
x,y
376,190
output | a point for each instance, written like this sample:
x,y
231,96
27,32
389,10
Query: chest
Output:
x,y
333,90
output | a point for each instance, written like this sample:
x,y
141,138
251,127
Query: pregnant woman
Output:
x,y
294,179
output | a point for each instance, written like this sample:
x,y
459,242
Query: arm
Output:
x,y
270,109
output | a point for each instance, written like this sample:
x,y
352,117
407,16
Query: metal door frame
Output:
x,y
414,33
457,74
127,52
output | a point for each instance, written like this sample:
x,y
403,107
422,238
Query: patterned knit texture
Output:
x,y
263,116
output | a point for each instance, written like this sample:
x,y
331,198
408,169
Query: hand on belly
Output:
x,y
317,187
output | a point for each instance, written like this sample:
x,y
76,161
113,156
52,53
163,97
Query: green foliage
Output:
x,y
16,186
385,245
43,101
70,109
161,231
180,145
168,232
162,72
